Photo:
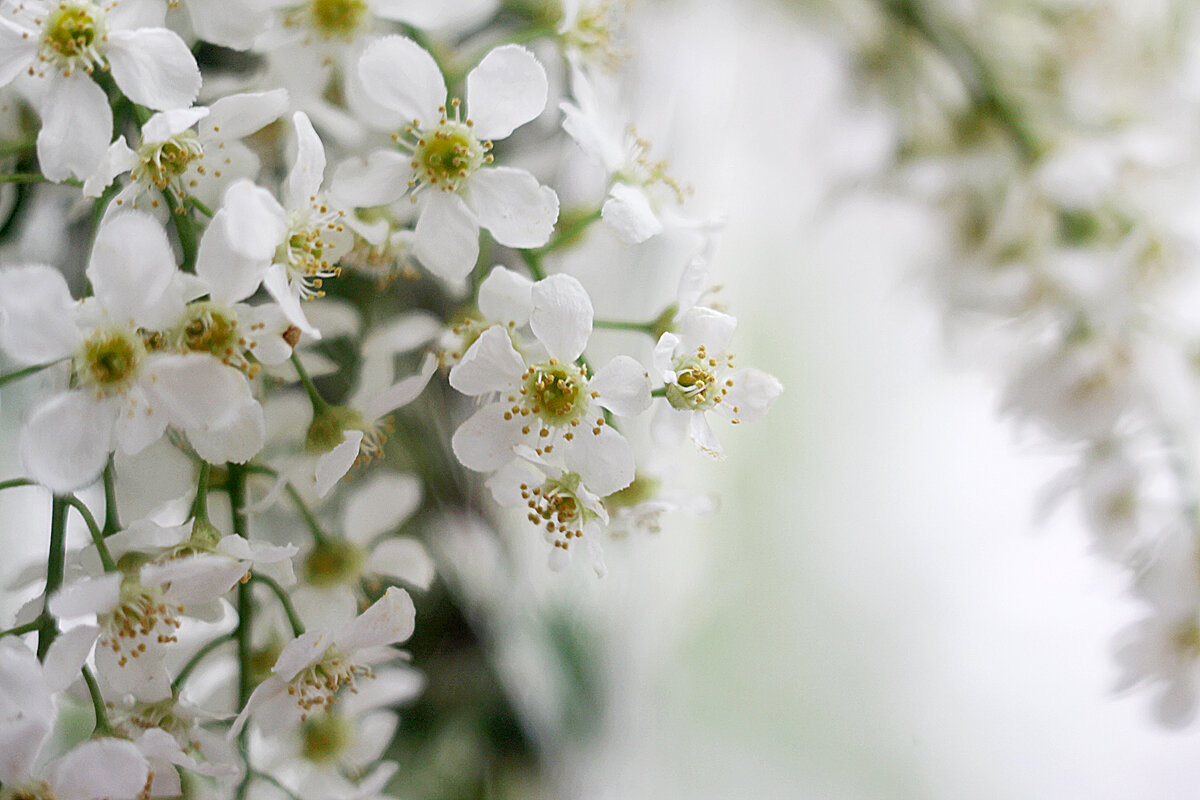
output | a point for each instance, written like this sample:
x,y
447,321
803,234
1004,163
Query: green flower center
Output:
x,y
209,328
557,392
334,561
162,162
110,358
71,34
337,19
325,737
698,383
447,155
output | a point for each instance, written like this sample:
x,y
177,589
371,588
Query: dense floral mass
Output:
x,y
318,285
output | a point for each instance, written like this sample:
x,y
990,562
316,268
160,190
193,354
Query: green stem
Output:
x,y
25,177
19,630
236,485
200,505
16,375
185,229
199,206
16,148
55,565
974,73
641,327
284,600
318,402
659,392
533,260
94,529
103,726
112,520
310,519
13,483
195,660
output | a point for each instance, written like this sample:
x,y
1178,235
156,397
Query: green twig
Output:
x,y
112,520
94,529
200,504
310,519
318,402
284,600
103,726
19,630
16,375
197,657
55,565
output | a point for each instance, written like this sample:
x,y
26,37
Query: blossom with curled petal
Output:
x,y
313,667
445,159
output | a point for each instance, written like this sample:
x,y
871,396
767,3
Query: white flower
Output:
x,y
314,666
61,43
126,389
293,247
335,567
174,157
639,189
445,159
504,298
98,768
314,758
560,505
550,403
699,376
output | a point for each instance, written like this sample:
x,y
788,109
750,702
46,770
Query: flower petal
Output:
x,y
337,462
165,124
398,74
238,115
196,390
390,619
154,67
491,364
117,159
623,385
131,267
447,236
76,126
380,506
98,768
377,180
511,204
505,296
67,655
17,51
485,441
255,221
627,211
562,316
604,461
35,315
752,394
704,327
66,440
506,90
304,179
403,558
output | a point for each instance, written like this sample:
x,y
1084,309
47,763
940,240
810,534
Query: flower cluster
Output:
x,y
313,288
1065,166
